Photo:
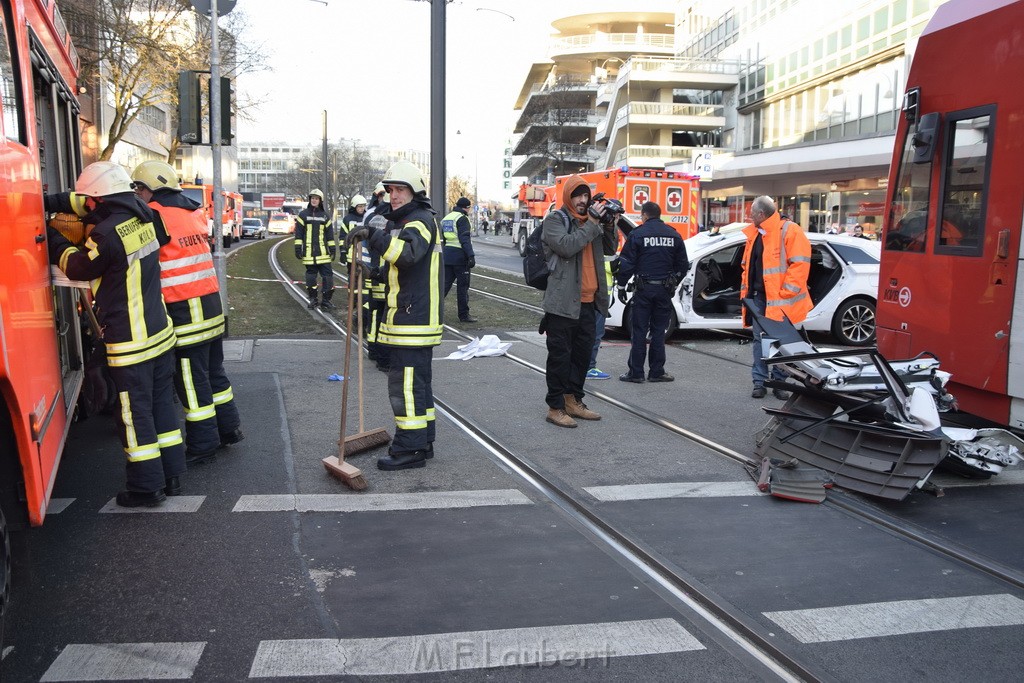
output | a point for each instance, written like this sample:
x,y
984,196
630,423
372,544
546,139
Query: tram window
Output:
x,y
9,85
906,227
965,177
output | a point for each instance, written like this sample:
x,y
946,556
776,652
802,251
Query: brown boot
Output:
x,y
576,408
557,416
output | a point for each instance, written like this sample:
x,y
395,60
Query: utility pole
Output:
x,y
219,261
326,187
438,172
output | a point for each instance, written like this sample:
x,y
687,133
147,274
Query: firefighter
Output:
x,y
376,273
352,219
192,295
407,237
315,247
654,256
459,258
121,259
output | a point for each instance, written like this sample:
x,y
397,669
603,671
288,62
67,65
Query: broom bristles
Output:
x,y
366,441
350,475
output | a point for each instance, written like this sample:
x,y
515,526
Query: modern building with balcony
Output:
x,y
565,99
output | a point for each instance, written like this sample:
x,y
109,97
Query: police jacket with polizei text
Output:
x,y
411,247
314,236
121,259
653,251
190,286
458,246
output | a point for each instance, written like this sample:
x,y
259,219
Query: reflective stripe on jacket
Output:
x,y
786,263
314,233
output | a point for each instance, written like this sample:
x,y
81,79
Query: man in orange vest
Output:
x,y
776,263
192,295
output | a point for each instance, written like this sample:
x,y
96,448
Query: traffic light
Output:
x,y
225,111
190,117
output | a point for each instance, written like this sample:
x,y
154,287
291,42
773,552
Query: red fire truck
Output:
x,y
678,194
952,273
41,354
231,219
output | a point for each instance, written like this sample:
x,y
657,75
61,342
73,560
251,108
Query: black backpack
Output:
x,y
535,266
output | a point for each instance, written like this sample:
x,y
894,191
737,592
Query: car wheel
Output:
x,y
670,329
854,322
521,243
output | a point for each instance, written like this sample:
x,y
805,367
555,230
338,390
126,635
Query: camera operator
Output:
x,y
654,254
579,233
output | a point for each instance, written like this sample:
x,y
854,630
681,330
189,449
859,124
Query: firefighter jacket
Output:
x,y
458,247
190,286
121,260
415,272
314,236
786,263
348,223
378,266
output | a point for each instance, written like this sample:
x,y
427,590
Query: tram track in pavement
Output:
x,y
686,594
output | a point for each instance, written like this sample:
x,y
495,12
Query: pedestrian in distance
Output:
x,y
408,239
120,257
594,372
459,258
192,294
776,263
579,233
655,257
315,247
352,219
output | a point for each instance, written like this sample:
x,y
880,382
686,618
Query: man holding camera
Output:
x,y
655,256
579,234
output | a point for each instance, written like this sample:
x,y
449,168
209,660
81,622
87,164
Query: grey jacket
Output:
x,y
563,247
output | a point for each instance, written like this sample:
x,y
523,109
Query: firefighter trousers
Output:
x,y
205,392
376,352
412,399
150,433
326,280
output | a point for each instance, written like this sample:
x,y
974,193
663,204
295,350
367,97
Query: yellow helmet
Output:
x,y
102,178
404,173
317,193
357,200
156,175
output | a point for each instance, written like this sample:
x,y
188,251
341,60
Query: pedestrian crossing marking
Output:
x,y
378,502
577,645
900,617
172,504
58,505
125,662
690,489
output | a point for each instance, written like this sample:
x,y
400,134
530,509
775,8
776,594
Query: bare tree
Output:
x,y
351,170
135,50
458,187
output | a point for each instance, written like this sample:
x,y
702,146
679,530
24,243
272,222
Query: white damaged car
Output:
x,y
843,284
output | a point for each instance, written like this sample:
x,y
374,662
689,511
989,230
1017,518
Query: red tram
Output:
x,y
41,355
952,271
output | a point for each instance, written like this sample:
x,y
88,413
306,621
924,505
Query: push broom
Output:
x,y
336,466
375,438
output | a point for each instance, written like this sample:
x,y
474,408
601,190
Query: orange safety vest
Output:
x,y
786,263
186,265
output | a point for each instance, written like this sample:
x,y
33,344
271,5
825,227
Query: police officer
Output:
x,y
192,294
655,256
352,219
315,247
408,238
120,258
459,258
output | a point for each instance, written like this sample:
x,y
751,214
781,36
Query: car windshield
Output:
x,y
852,254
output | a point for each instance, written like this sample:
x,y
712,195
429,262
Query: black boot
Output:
x,y
196,457
135,499
231,437
173,487
311,293
402,461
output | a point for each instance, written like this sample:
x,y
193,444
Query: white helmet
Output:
x,y
404,173
357,200
156,175
317,193
379,188
103,178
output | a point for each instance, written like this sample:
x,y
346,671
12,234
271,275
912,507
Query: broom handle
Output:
x,y
348,356
359,318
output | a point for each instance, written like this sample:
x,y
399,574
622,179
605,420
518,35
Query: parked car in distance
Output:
x,y
254,228
281,224
843,284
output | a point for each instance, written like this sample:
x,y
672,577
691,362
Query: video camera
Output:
x,y
613,208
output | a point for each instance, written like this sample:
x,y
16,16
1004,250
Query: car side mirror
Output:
x,y
924,139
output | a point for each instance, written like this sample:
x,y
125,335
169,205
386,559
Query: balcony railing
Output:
x,y
665,152
564,151
618,42
668,109
563,117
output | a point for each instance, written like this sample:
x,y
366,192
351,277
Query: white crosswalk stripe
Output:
x,y
172,504
125,662
690,489
433,653
377,502
900,617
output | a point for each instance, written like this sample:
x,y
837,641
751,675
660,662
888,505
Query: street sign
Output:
x,y
272,201
223,6
702,165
